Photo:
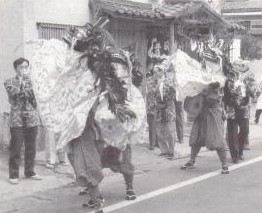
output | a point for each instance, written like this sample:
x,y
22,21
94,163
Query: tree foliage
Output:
x,y
251,47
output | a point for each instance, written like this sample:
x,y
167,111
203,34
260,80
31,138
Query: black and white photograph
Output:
x,y
130,106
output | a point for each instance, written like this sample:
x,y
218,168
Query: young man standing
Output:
x,y
24,121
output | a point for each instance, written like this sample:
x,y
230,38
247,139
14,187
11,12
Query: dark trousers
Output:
x,y
152,130
238,130
179,121
20,135
257,115
221,152
110,158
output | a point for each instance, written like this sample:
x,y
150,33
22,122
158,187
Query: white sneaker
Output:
x,y
13,180
50,166
34,177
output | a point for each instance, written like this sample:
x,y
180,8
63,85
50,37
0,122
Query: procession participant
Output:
x,y
208,127
90,152
53,157
179,118
171,74
259,104
178,103
151,114
165,108
230,96
248,84
24,120
237,98
90,91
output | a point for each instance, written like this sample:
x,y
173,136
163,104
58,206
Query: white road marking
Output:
x,y
177,186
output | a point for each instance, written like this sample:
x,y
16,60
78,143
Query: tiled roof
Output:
x,y
245,6
148,11
178,9
127,8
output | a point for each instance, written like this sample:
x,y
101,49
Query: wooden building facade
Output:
x,y
154,28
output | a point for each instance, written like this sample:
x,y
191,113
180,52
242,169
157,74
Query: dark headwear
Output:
x,y
232,74
214,85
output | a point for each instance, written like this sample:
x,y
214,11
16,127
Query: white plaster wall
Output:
x,y
52,11
18,20
61,11
11,35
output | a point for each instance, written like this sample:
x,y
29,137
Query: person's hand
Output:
x,y
73,44
24,94
102,96
21,95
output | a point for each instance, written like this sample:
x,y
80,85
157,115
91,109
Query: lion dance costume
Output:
x,y
84,89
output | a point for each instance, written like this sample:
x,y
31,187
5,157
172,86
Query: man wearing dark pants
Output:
x,y
257,115
24,121
237,138
150,103
152,131
238,99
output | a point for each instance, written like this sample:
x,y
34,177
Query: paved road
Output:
x,y
201,190
239,192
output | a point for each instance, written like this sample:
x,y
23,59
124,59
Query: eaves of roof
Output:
x,y
164,11
126,9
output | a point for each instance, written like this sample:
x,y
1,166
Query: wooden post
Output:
x,y
172,37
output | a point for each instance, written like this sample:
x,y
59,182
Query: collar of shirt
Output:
x,y
18,78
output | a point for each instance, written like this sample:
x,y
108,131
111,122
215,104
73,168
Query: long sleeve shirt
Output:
x,y
237,101
21,97
165,107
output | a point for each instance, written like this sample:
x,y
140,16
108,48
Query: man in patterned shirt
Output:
x,y
24,121
150,108
237,98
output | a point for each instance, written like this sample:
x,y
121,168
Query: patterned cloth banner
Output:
x,y
119,134
64,89
65,92
191,77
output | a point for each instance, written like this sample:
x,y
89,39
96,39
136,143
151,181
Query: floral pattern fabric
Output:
x,y
66,92
119,134
150,95
64,89
165,108
191,78
23,109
